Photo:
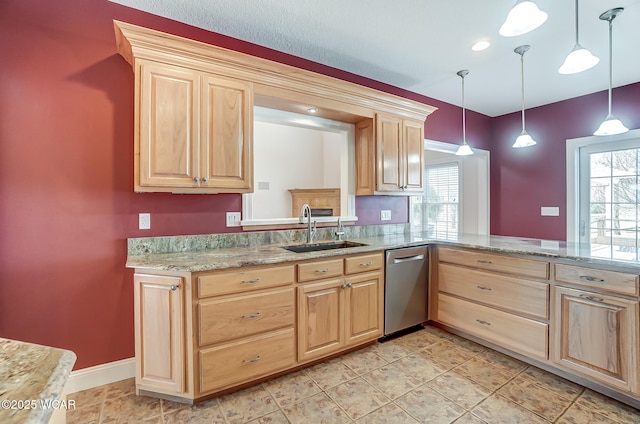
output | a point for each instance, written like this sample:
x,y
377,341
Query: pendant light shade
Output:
x,y
611,125
580,59
524,139
464,149
522,18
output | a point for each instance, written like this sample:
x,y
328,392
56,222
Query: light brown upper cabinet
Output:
x,y
389,156
193,120
194,132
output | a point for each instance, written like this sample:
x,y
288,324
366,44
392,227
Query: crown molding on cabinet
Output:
x,y
275,85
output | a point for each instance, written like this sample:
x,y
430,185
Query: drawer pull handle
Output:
x,y
592,279
365,264
482,261
484,288
255,280
592,298
483,322
252,360
256,315
322,271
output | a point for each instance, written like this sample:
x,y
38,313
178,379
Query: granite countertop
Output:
x,y
221,258
32,376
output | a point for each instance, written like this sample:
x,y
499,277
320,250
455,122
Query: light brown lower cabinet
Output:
x,y
246,359
582,322
159,343
338,313
596,335
201,333
511,331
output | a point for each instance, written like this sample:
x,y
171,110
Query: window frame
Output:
x,y
573,148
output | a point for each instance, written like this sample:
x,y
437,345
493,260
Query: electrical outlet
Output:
x,y
233,219
385,215
144,221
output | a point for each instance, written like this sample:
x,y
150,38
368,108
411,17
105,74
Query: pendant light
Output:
x,y
524,139
464,149
611,125
580,59
523,17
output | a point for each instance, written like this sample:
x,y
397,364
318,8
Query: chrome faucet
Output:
x,y
340,230
306,210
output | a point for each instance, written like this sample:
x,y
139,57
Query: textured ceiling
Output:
x,y
419,45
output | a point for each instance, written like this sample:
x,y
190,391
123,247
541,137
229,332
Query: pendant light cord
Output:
x,y
464,127
610,59
522,75
577,42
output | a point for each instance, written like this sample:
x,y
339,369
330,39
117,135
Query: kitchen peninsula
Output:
x,y
551,304
32,382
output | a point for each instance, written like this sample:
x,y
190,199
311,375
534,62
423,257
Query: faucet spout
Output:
x,y
339,230
305,210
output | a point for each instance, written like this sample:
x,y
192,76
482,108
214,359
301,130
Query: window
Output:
x,y
608,199
438,212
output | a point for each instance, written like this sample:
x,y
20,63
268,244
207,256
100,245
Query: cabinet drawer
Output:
x,y
243,279
362,263
246,359
499,263
504,329
319,269
613,281
511,293
241,316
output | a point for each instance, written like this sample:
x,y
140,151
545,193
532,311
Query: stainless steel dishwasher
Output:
x,y
405,288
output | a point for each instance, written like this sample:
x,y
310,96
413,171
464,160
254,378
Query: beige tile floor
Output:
x,y
425,377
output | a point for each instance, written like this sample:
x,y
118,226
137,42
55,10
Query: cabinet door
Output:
x,y
597,335
169,105
363,308
365,158
388,152
320,319
227,135
413,155
159,333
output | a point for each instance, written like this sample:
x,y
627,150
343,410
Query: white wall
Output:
x,y
312,158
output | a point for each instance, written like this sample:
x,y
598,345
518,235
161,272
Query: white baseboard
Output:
x,y
88,378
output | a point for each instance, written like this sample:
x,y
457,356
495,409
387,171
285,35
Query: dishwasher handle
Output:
x,y
408,259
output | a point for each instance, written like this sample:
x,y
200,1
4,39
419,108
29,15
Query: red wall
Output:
x,y
66,173
523,180
66,200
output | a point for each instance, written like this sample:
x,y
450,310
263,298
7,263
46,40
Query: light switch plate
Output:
x,y
233,219
144,221
550,211
385,215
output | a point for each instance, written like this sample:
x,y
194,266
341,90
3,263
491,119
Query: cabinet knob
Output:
x,y
205,180
344,286
349,285
174,287
196,180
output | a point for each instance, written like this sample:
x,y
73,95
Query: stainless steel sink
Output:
x,y
314,247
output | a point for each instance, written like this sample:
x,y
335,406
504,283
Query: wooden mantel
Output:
x,y
275,85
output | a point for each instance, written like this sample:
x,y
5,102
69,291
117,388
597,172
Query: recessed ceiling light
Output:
x,y
480,45
312,110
